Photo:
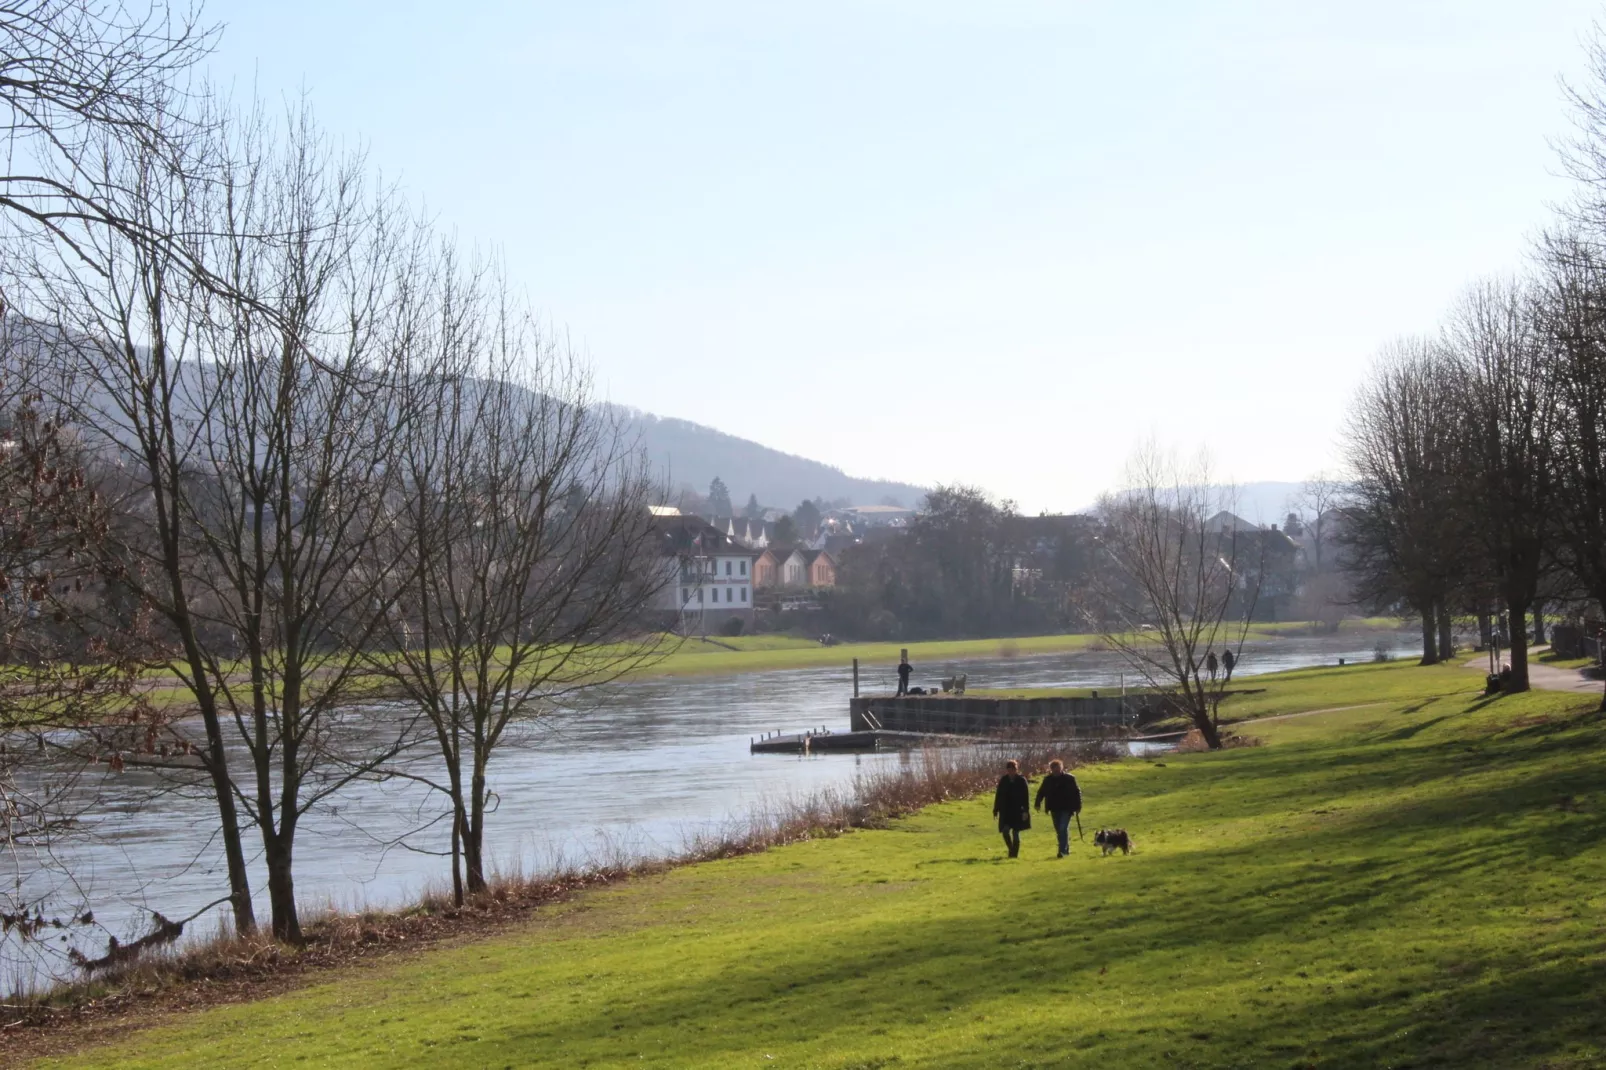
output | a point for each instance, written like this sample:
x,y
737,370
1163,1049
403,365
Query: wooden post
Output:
x,y
855,677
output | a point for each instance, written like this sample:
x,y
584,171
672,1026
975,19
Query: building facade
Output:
x,y
708,577
794,567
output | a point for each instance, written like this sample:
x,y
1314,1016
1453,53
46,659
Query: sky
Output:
x,y
999,243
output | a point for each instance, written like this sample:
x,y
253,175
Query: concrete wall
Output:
x,y
984,716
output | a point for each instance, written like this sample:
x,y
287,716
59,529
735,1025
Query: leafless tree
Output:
x,y
1574,322
1184,582
58,669
1402,536
1507,443
75,75
259,423
525,559
1316,502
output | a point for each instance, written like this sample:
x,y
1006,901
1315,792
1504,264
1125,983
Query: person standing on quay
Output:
x,y
1060,795
1012,806
904,669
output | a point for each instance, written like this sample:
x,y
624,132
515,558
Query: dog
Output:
x,y
1110,839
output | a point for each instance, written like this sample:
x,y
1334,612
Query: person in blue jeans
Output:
x,y
1062,798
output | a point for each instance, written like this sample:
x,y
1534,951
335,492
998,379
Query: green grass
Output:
x,y
1353,624
1414,883
1548,658
763,652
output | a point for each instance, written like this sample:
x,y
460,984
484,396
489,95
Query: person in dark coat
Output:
x,y
904,669
1060,795
1012,805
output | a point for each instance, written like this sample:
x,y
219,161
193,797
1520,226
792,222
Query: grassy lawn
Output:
x,y
1412,883
762,652
1547,658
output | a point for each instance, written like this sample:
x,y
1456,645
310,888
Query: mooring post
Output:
x,y
855,677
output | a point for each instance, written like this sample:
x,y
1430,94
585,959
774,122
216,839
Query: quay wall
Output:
x,y
984,716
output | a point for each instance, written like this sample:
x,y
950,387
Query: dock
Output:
x,y
823,740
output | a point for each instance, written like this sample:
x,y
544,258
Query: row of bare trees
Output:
x,y
1477,450
275,436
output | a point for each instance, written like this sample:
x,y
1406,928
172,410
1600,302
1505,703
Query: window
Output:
x,y
730,595
699,594
744,594
744,568
727,568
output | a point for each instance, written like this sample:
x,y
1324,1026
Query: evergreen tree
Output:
x,y
719,498
807,519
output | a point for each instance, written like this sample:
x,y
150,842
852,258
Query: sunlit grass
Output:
x,y
1413,882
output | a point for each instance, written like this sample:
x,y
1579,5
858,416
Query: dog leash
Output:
x,y
1079,827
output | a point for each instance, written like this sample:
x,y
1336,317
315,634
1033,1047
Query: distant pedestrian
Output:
x,y
1012,805
904,669
1062,798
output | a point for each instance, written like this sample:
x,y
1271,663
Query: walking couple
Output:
x,y
1058,794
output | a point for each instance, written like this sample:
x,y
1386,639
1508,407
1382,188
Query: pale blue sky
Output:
x,y
994,242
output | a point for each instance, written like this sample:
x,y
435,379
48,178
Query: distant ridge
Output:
x,y
1262,502
692,454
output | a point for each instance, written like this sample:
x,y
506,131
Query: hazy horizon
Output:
x,y
935,242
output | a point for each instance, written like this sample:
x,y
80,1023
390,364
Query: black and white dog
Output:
x,y
1110,839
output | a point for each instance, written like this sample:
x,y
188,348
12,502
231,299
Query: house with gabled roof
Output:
x,y
750,532
794,567
708,574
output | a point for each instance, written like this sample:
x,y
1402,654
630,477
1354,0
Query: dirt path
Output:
x,y
1546,677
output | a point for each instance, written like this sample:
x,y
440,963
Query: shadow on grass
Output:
x,y
1455,848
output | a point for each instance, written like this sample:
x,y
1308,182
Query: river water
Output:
x,y
653,763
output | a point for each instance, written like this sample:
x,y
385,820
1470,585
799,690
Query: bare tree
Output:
x,y
526,559
76,75
1184,582
1401,536
1574,322
63,664
1317,503
1508,441
260,426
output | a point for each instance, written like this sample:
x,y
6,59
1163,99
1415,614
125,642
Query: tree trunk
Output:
x,y
1446,634
474,833
457,854
1519,647
1485,630
1539,623
282,893
1430,646
245,920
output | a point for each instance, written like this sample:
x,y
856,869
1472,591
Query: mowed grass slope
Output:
x,y
1416,883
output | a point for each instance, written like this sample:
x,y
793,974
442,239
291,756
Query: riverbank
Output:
x,y
676,656
1408,882
762,653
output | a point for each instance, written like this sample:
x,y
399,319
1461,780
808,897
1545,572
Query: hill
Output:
x,y
693,454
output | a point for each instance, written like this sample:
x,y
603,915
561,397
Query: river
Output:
x,y
654,762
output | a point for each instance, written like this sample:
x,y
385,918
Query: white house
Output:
x,y
708,574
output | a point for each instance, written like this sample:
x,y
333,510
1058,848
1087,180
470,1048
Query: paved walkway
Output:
x,y
1546,677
